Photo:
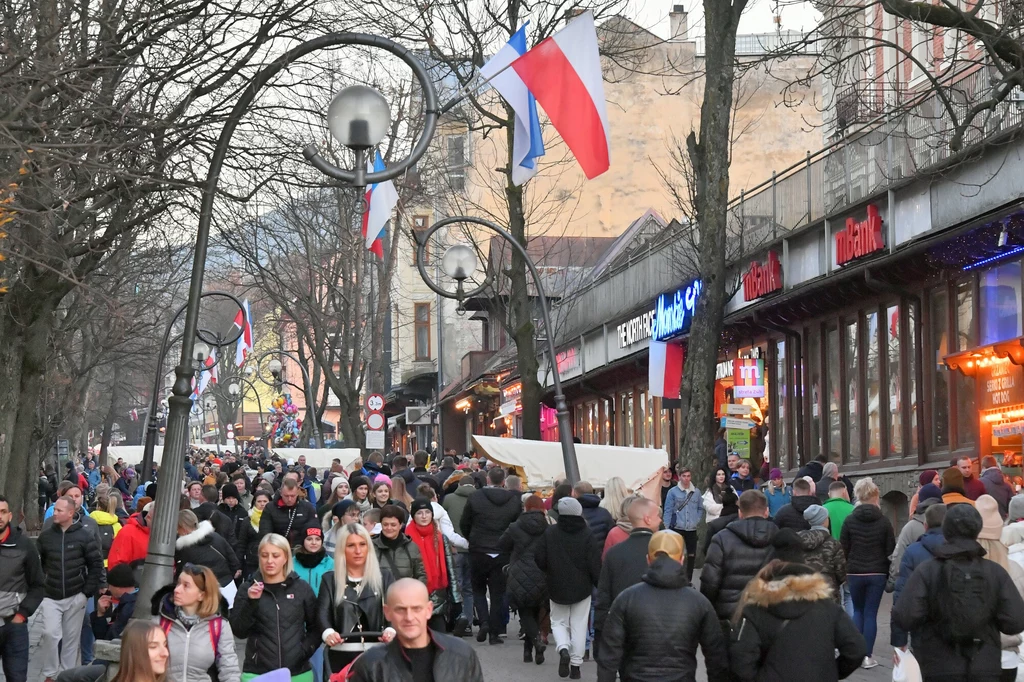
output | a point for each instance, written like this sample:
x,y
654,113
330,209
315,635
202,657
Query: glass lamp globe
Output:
x,y
201,351
274,366
234,389
459,262
358,117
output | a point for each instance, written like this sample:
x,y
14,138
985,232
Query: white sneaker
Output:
x,y
869,663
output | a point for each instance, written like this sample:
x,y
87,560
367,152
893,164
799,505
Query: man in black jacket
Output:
x,y
626,562
598,518
21,591
287,515
417,652
223,525
792,515
737,553
653,628
73,567
487,515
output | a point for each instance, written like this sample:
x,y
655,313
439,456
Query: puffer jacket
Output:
x,y
205,547
908,535
623,566
313,567
222,523
792,514
71,561
527,585
109,525
653,629
347,616
868,540
735,556
824,554
998,488
281,627
487,515
198,650
570,558
290,522
131,544
915,555
21,576
402,557
453,660
249,542
598,518
791,629
455,503
915,611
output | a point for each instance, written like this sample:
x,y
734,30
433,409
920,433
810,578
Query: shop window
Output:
x,y
999,309
649,419
664,422
938,314
814,392
852,392
911,356
421,313
778,438
966,416
892,344
625,437
873,375
965,335
607,414
834,399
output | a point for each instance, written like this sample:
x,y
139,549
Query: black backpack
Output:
x,y
965,605
106,539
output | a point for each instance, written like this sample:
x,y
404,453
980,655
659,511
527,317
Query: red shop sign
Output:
x,y
762,278
860,238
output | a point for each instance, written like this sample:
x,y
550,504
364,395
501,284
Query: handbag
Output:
x,y
905,666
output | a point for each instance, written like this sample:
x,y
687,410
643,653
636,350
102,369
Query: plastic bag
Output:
x,y
905,667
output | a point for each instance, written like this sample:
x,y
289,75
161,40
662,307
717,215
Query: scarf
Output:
x,y
186,620
625,525
431,546
254,518
309,560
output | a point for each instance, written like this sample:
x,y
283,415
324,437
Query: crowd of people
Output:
x,y
381,570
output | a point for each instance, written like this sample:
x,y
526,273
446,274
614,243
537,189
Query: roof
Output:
x,y
639,231
563,262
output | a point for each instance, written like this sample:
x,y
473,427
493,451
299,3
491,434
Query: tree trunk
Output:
x,y
108,421
709,156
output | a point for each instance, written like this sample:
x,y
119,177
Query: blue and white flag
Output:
x,y
527,144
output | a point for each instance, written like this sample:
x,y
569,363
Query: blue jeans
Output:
x,y
88,639
847,600
14,651
317,661
866,592
465,585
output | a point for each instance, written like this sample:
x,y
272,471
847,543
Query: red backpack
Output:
x,y
216,625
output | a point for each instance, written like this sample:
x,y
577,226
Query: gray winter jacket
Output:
x,y
192,651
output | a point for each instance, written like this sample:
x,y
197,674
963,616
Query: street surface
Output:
x,y
504,663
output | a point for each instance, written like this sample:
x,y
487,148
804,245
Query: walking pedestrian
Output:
x,y
995,484
789,627
360,492
598,519
249,535
527,584
953,490
653,628
276,613
395,549
1013,533
741,480
684,509
199,637
21,592
713,504
792,515
736,555
73,567
438,561
287,515
996,551
417,653
927,477
623,527
109,621
956,606
919,551
199,544
817,549
911,531
571,560
777,492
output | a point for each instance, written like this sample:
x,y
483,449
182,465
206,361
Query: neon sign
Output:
x,y
860,238
674,312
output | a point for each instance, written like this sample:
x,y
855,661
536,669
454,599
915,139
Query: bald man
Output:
x,y
417,652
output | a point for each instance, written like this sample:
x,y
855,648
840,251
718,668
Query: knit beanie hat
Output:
x,y
423,503
337,481
991,521
569,506
229,490
927,477
1016,508
357,481
815,515
314,530
952,480
121,575
929,491
339,509
774,474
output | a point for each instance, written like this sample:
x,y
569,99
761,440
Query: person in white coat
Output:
x,y
713,495
199,637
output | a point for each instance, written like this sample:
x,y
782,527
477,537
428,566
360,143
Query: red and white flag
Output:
x,y
207,376
243,320
665,369
563,72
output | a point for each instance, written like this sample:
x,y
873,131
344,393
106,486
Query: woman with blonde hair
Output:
x,y
615,491
352,597
199,637
400,493
144,654
276,613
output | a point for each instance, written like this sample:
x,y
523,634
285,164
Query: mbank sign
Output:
x,y
674,312
762,278
860,238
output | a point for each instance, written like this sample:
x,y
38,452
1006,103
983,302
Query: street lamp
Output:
x,y
275,368
159,568
459,262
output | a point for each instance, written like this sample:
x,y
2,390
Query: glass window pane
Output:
x,y
814,408
1000,305
912,351
965,336
626,437
852,393
965,415
940,375
892,335
779,448
874,388
643,420
834,396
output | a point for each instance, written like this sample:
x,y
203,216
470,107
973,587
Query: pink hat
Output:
x,y
381,478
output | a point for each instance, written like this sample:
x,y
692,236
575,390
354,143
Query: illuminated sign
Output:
x,y
568,359
674,312
512,392
748,378
762,278
636,330
860,238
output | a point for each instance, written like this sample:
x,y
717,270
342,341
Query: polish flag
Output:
x,y
564,73
381,199
243,320
207,376
665,369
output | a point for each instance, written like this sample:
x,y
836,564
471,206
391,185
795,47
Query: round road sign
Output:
x,y
375,403
375,421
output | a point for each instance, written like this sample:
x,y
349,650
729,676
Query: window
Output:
x,y
814,392
457,161
420,224
852,392
873,374
833,399
892,337
422,315
779,444
625,435
912,370
938,313
966,337
999,309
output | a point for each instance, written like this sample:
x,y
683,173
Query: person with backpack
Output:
x,y
192,615
956,606
108,524
526,584
913,556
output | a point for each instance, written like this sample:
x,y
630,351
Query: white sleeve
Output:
x,y
448,529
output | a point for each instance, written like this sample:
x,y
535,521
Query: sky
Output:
x,y
757,18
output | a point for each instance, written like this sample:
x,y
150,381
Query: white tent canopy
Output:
x,y
540,462
132,454
320,458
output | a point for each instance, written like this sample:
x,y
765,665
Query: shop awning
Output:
x,y
969,362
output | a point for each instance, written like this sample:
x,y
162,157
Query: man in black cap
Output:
x,y
110,620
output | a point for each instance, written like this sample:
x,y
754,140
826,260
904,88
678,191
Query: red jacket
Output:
x,y
974,487
130,544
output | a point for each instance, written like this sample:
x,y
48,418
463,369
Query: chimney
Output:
x,y
677,22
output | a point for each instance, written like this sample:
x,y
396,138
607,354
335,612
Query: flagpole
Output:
x,y
471,85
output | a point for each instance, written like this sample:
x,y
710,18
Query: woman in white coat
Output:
x,y
713,495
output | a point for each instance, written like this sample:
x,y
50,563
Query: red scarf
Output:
x,y
431,545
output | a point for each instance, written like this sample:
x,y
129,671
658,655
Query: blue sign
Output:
x,y
674,312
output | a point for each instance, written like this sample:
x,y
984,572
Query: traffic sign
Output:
x,y
734,423
374,440
375,403
375,421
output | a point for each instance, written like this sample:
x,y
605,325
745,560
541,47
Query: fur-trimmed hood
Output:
x,y
787,596
199,536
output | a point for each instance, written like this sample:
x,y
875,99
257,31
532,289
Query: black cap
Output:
x,y
420,503
121,576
